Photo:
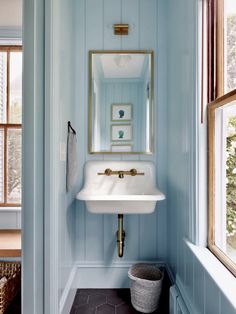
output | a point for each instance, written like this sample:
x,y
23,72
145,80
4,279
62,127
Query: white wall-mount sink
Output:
x,y
113,195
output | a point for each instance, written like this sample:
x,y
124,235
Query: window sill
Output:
x,y
10,243
10,209
219,273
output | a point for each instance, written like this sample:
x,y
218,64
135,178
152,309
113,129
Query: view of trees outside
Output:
x,y
14,166
3,71
230,74
14,135
231,185
230,84
13,152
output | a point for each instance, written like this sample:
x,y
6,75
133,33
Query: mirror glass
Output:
x,y
121,102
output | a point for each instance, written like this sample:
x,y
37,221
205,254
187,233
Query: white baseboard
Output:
x,y
68,294
11,32
98,275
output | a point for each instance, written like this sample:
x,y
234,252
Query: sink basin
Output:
x,y
136,194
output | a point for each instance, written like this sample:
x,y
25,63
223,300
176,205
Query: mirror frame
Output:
x,y
151,114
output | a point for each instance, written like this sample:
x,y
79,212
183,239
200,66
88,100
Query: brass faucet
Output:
x,y
121,173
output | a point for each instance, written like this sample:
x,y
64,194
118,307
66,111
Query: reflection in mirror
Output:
x,y
121,102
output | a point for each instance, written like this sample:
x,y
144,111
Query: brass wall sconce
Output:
x,y
121,29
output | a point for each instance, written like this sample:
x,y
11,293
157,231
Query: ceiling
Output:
x,y
122,65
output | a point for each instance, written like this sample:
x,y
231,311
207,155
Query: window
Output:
x,y
10,125
222,130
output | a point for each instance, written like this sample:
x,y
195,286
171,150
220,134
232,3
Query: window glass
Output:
x,y
230,44
1,165
14,165
3,86
225,179
15,87
231,183
10,125
222,131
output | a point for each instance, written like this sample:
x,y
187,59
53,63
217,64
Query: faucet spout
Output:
x,y
121,174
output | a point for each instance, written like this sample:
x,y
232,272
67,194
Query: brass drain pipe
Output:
x,y
120,236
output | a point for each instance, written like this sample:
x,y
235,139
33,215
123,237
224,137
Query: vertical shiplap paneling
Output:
x,y
160,81
130,15
148,24
96,235
199,293
147,40
94,24
148,236
189,272
112,15
197,286
81,125
94,40
213,296
94,34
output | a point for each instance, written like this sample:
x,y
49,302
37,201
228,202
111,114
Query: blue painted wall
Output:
x,y
96,234
198,287
60,108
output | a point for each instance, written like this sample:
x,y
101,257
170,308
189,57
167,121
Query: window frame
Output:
x,y
218,103
7,125
216,99
215,49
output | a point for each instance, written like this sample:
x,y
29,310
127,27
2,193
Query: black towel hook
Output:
x,y
70,127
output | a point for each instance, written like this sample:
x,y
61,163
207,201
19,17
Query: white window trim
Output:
x,y
10,36
10,209
200,215
220,178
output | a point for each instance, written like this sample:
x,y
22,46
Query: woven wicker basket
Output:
x,y
145,287
8,291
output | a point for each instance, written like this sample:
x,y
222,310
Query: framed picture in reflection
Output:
x,y
121,112
121,132
121,148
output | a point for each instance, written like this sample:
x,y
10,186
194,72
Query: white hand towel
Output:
x,y
72,161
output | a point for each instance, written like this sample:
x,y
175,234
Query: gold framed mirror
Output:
x,y
121,109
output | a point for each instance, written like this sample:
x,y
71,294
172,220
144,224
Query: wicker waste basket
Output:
x,y
145,287
10,281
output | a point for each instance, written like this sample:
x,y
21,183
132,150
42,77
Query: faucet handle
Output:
x,y
107,172
133,172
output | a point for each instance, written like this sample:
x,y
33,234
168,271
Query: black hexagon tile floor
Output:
x,y
113,301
